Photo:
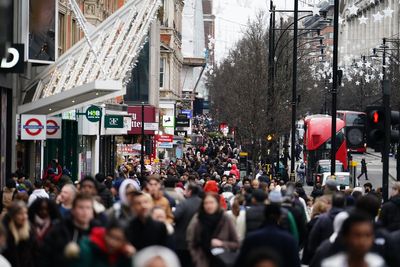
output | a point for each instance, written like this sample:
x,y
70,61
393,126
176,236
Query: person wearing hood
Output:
x,y
105,247
234,170
390,212
121,210
212,186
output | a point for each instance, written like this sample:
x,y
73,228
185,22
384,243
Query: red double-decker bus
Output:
x,y
317,142
354,130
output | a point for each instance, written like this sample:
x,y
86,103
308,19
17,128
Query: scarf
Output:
x,y
41,226
208,224
19,234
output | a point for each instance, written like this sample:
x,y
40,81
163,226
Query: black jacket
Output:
x,y
56,240
23,254
322,229
146,234
390,214
183,215
254,218
275,239
106,196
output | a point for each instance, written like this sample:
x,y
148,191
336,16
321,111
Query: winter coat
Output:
x,y
23,254
322,229
183,214
225,231
93,252
235,171
254,217
145,234
274,238
372,260
54,243
390,214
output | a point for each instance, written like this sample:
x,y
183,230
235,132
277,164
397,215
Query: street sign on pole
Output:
x,y
53,128
33,127
151,126
93,114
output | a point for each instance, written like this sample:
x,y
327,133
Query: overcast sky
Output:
x,y
233,15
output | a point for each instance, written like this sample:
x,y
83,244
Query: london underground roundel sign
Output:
x,y
53,127
33,127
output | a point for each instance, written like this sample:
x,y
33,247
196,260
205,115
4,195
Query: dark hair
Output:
x,y
339,200
369,204
171,181
259,195
10,183
38,183
354,218
195,189
100,177
91,180
81,197
262,254
272,212
33,210
116,224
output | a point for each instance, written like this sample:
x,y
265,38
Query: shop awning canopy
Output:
x,y
83,76
73,98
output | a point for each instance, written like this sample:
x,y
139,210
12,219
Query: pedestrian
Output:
x,y
38,192
271,236
211,228
105,247
21,248
105,194
390,212
156,256
153,187
142,231
255,211
43,214
61,244
301,171
323,228
363,169
7,196
357,234
121,210
3,242
66,198
183,214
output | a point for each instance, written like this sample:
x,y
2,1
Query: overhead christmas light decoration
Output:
x,y
377,17
353,10
363,19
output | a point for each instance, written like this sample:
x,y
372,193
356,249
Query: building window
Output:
x,y
74,32
61,33
162,72
330,36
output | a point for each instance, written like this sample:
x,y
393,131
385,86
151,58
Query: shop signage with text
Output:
x,y
114,121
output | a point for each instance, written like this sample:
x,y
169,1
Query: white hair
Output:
x,y
144,257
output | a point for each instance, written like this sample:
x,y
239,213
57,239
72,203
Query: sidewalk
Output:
x,y
392,168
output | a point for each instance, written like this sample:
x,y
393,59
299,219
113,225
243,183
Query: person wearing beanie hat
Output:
x,y
212,186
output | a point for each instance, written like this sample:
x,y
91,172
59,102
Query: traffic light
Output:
x,y
375,126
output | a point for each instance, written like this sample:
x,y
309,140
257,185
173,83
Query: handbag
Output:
x,y
224,257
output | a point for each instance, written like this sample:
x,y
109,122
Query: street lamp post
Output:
x,y
294,89
142,149
334,84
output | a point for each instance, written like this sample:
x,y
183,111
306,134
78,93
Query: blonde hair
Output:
x,y
319,207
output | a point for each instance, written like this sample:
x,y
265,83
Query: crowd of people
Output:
x,y
197,212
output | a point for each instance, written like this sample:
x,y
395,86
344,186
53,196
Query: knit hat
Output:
x,y
211,186
275,196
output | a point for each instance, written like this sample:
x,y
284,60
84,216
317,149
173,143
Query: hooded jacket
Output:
x,y
235,171
390,214
94,253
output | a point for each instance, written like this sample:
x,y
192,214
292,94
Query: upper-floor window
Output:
x,y
61,33
162,72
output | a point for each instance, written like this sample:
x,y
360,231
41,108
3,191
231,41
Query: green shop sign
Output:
x,y
114,121
93,113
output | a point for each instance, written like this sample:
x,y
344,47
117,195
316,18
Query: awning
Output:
x,y
77,78
74,98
